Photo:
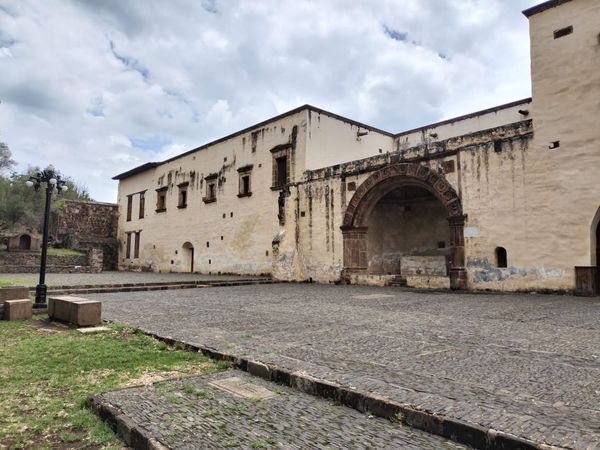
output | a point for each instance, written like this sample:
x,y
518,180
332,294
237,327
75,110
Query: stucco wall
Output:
x,y
232,234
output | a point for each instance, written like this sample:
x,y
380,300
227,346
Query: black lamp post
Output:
x,y
53,182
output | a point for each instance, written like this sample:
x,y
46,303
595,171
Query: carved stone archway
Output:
x,y
354,228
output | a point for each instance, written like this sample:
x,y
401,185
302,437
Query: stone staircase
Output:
x,y
398,281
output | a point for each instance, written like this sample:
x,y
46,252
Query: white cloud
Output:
x,y
97,87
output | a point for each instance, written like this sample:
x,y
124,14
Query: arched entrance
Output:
x,y
595,235
25,242
187,254
439,222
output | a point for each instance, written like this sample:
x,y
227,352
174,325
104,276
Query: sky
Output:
x,y
97,87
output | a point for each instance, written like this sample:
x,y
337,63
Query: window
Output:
x,y
142,205
161,199
136,245
282,177
563,32
211,188
183,187
501,257
281,166
128,246
129,207
244,183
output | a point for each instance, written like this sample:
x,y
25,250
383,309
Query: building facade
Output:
x,y
504,199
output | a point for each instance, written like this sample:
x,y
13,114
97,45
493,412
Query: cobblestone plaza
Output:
x,y
526,364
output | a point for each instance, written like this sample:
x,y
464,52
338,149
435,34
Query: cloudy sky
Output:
x,y
97,87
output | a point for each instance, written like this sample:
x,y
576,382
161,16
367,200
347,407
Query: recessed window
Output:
x,y
161,199
128,247
183,191
136,246
211,188
501,257
244,182
563,32
498,146
281,166
129,207
142,205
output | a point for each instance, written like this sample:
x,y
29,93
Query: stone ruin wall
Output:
x,y
85,225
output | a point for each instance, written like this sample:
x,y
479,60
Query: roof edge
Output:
x,y
543,7
467,116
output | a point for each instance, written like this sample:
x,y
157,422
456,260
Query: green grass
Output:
x,y
46,374
64,252
14,281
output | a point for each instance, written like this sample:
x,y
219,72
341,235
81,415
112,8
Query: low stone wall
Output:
x,y
29,262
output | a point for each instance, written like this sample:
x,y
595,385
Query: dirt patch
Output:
x,y
49,325
151,377
70,440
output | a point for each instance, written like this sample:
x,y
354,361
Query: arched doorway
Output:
x,y
25,242
595,235
409,209
187,254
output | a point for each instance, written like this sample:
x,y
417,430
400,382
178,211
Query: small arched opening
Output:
x,y
25,242
501,257
187,255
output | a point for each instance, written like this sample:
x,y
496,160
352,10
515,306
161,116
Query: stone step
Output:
x,y
131,287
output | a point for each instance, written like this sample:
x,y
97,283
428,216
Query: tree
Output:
x,y
6,161
23,206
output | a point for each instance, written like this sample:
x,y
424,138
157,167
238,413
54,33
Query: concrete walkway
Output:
x,y
527,365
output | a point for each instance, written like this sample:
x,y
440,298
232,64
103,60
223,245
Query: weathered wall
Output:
x,y
232,234
396,231
84,225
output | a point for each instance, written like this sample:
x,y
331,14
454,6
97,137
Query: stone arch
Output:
x,y
381,182
24,242
188,256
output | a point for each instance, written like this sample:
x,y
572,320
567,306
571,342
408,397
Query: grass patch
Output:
x,y
64,252
46,374
13,281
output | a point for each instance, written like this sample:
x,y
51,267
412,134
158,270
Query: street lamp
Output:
x,y
53,183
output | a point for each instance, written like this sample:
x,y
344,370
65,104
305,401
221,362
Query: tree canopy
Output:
x,y
21,205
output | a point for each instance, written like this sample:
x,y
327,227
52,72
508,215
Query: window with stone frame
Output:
x,y
211,188
245,189
281,166
142,205
136,245
161,199
183,193
129,207
128,246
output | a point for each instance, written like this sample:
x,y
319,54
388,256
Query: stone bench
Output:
x,y
76,310
11,293
20,309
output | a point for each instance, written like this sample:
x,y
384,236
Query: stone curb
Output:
x,y
457,430
133,435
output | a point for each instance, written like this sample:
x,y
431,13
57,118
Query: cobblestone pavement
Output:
x,y
524,364
190,413
76,279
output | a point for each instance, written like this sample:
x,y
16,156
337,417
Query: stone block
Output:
x,y
76,310
423,265
13,293
428,282
17,309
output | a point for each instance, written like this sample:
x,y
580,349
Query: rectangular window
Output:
x,y
282,176
128,246
211,188
563,32
129,207
182,203
244,181
136,246
142,205
161,199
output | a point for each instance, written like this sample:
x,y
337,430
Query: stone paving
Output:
x,y
122,277
524,364
191,413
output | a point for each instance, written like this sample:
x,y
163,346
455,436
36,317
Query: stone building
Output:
x,y
505,199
